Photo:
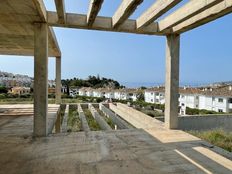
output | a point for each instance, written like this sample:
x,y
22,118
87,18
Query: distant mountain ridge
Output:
x,y
7,74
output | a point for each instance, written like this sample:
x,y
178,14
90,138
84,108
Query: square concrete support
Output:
x,y
172,81
58,80
40,79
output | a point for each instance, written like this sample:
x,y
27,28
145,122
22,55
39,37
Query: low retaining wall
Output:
x,y
65,118
134,117
102,123
115,118
84,123
206,122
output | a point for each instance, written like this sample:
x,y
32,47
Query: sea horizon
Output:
x,y
152,84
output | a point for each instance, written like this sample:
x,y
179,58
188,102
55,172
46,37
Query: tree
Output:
x,y
3,90
91,81
140,96
143,87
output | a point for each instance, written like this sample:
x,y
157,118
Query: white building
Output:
x,y
89,92
64,89
134,93
155,95
109,94
133,96
83,91
121,94
189,97
216,99
99,93
73,91
117,94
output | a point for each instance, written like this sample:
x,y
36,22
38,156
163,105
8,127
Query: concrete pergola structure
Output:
x,y
26,29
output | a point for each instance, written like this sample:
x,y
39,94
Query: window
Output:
x,y
152,93
182,104
151,100
220,110
220,100
230,100
196,106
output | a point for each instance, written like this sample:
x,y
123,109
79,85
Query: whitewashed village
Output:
x,y
215,98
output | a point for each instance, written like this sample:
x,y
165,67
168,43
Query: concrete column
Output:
x,y
40,79
172,81
58,80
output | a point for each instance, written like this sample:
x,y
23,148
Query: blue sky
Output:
x,y
205,52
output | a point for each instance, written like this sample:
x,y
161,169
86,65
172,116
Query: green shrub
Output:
x,y
216,137
93,125
25,96
51,96
193,111
2,96
74,122
3,90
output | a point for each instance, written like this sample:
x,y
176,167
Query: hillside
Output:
x,y
92,81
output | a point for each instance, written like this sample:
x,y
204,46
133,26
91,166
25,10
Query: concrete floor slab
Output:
x,y
137,151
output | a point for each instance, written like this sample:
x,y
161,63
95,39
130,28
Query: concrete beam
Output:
x,y
65,119
155,11
41,79
101,23
102,123
189,10
204,17
124,11
94,8
115,118
172,81
60,8
58,80
41,9
53,41
84,123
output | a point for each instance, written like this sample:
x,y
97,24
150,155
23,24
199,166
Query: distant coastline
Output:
x,y
151,84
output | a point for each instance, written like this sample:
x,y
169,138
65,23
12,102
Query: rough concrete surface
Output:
x,y
136,151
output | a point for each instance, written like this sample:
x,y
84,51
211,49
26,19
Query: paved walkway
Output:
x,y
137,151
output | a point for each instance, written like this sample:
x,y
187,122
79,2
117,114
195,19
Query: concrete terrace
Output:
x,y
17,120
26,29
144,150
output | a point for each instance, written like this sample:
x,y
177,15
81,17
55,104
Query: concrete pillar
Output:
x,y
172,81
40,79
58,80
